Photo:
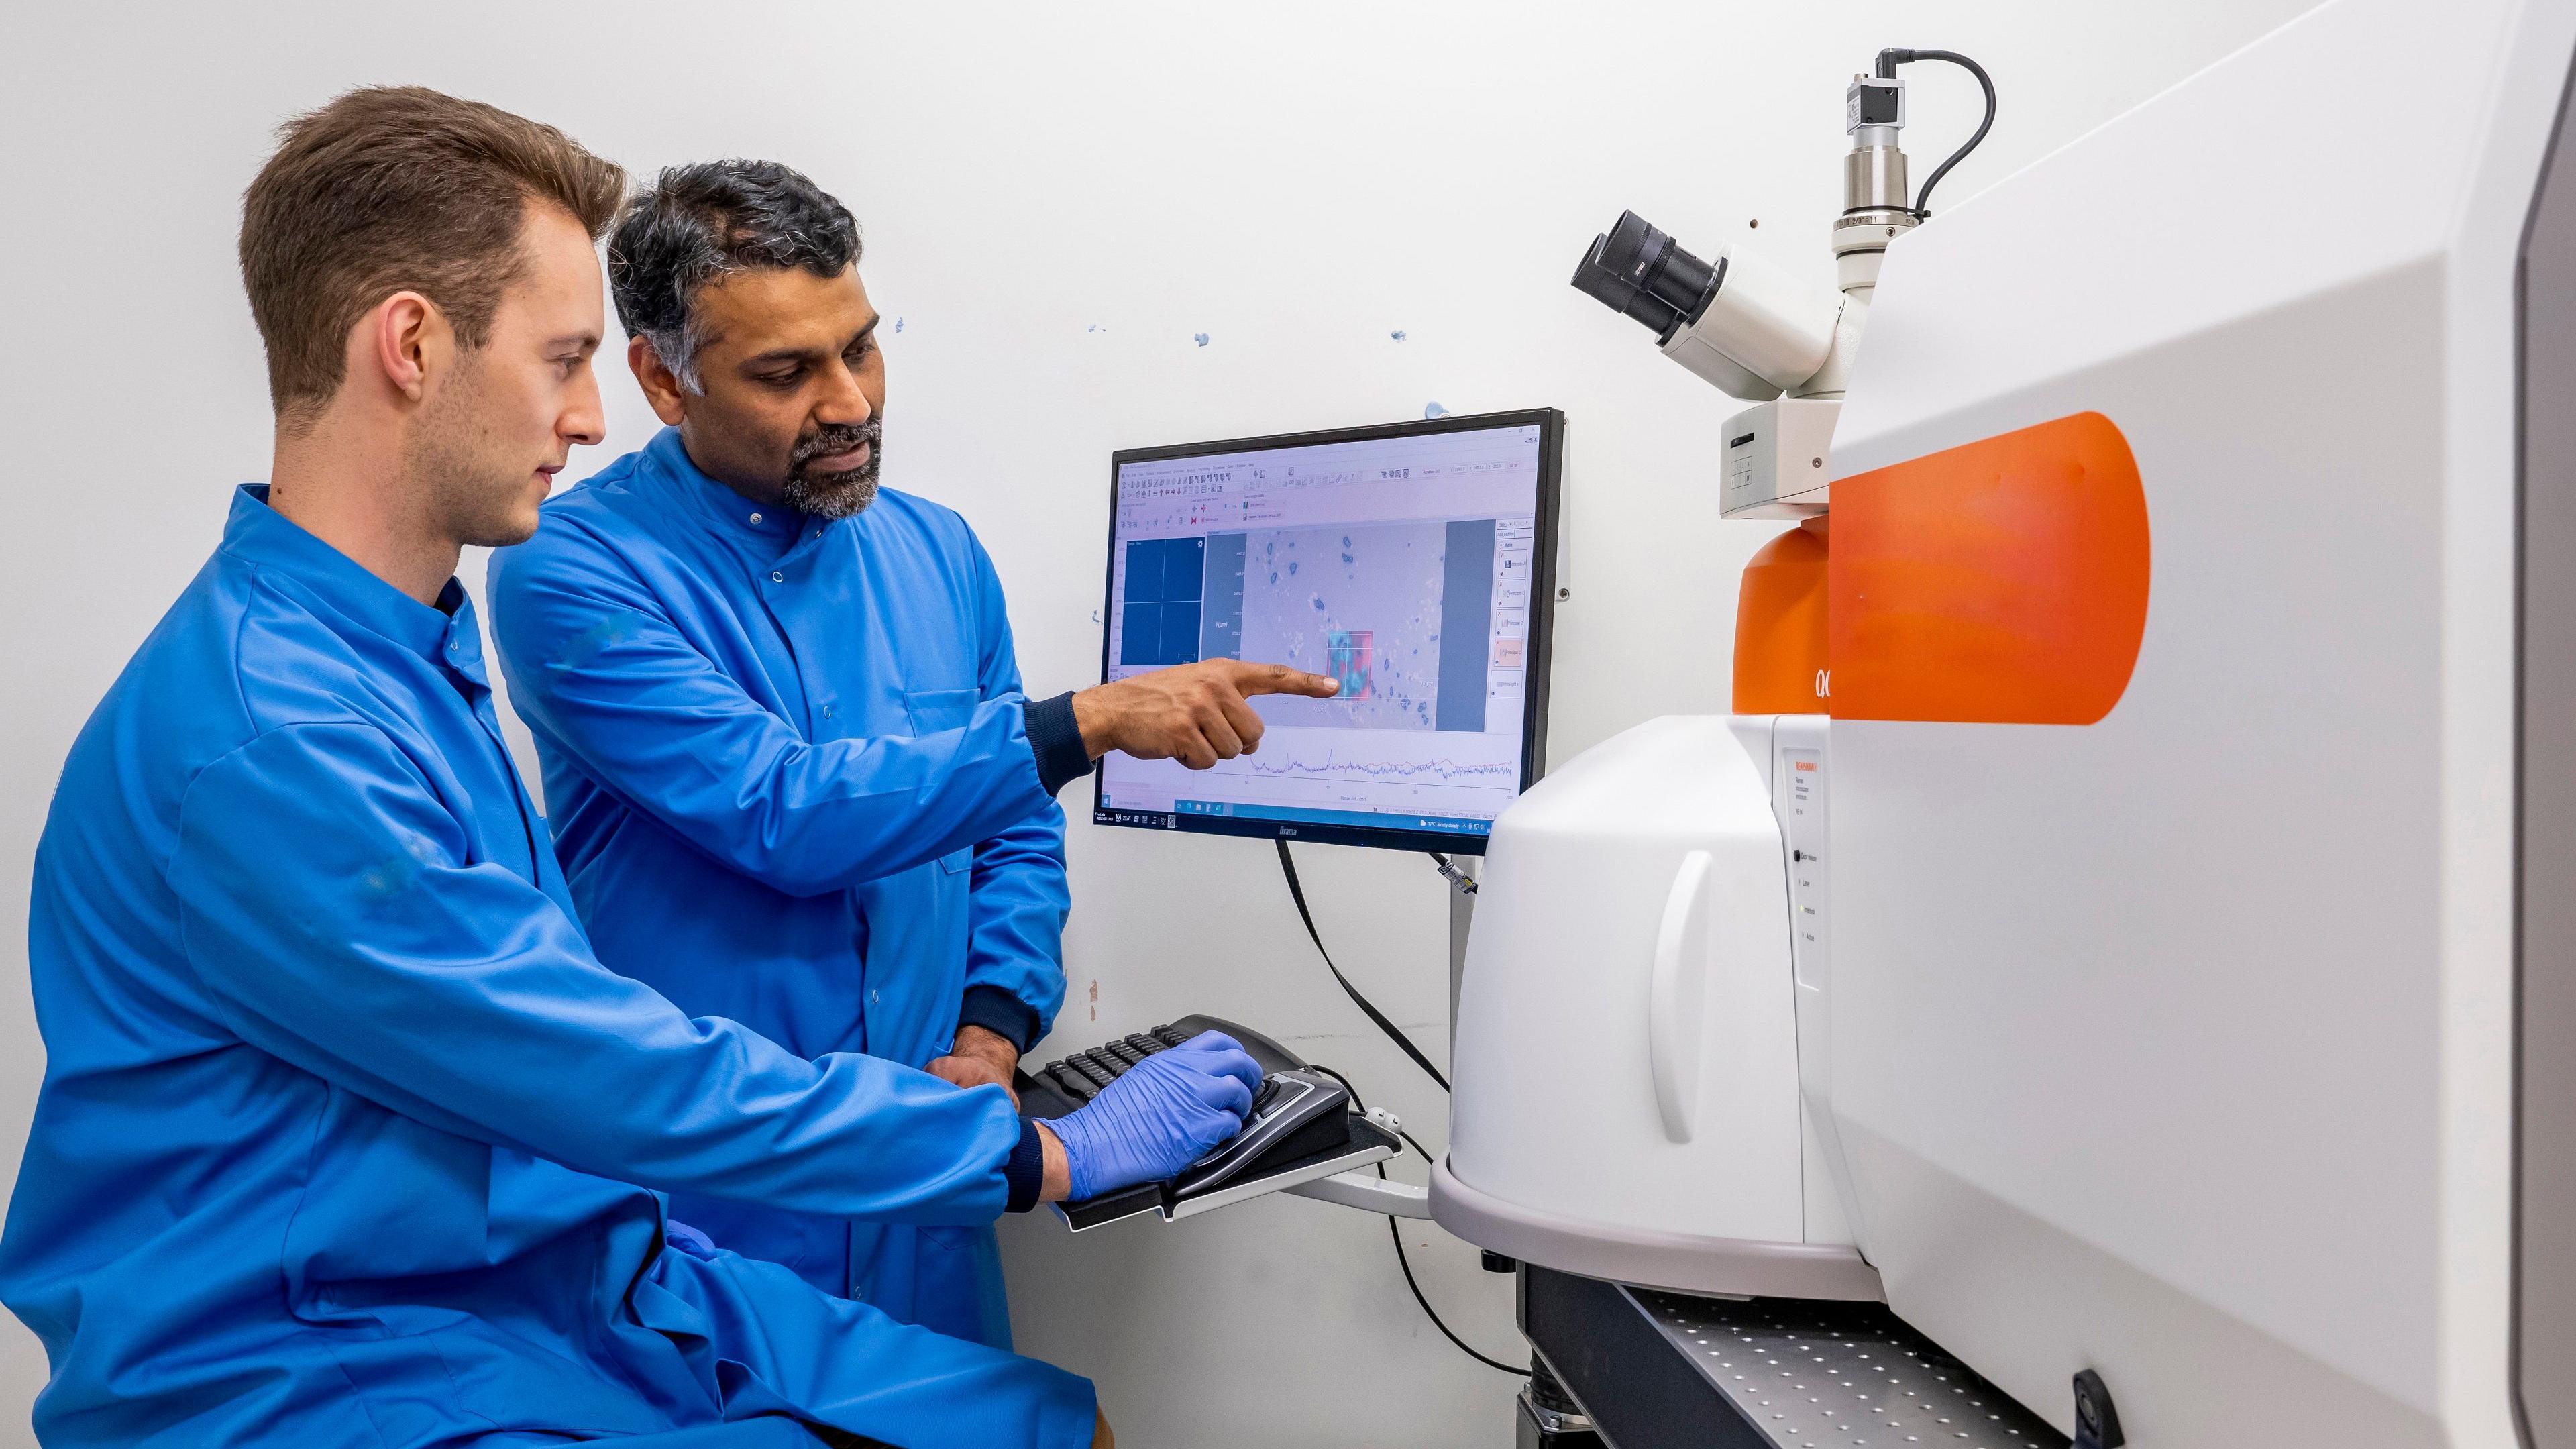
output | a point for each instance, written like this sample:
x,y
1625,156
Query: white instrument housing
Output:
x,y
2226,1045
1626,1092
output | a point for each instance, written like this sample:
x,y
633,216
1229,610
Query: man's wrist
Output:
x,y
1055,1176
1057,740
980,1041
1091,721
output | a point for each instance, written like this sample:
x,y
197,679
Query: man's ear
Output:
x,y
401,341
661,386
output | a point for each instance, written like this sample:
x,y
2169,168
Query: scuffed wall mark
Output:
x,y
1199,337
898,324
1397,334
1095,998
1434,410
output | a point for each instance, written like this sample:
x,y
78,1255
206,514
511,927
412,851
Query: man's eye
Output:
x,y
779,379
860,349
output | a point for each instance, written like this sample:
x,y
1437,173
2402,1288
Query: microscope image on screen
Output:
x,y
1371,607
1398,561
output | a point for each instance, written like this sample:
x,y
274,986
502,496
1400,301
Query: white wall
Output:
x,y
1297,185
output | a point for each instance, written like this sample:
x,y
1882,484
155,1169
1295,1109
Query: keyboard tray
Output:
x,y
1360,1142
1367,1143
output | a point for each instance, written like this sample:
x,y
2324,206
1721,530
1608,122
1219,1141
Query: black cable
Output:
x,y
1459,881
1889,60
1346,1085
1297,893
1363,1110
1407,1265
1401,1261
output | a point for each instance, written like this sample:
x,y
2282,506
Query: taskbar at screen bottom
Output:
x,y
1462,834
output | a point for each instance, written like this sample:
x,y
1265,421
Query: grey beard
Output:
x,y
834,495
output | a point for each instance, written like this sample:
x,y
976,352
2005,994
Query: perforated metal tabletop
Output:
x,y
1654,1369
1834,1376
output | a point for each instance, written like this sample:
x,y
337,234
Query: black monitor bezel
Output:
x,y
1542,625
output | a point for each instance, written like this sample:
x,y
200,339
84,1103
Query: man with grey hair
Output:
x,y
792,775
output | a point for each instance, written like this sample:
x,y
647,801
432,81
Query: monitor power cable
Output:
x,y
1395,1235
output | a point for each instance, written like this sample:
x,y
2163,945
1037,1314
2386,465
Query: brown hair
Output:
x,y
397,188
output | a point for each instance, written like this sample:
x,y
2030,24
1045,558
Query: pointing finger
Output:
x,y
1280,679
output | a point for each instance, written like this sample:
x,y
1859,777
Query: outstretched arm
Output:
x,y
327,898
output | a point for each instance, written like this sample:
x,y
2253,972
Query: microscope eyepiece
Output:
x,y
1640,272
1747,327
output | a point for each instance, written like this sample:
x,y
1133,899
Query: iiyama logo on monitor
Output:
x,y
1415,564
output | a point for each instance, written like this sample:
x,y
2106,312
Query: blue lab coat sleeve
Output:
x,y
1056,739
1017,900
657,723
377,956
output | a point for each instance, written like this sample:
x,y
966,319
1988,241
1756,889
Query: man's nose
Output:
x,y
584,422
844,403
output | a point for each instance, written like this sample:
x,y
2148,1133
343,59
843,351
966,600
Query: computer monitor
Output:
x,y
1415,563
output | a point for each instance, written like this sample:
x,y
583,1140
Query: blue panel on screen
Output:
x,y
1180,633
1140,635
1183,558
1145,571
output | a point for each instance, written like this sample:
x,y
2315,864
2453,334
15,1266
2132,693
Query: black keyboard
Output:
x,y
1081,1077
1298,1112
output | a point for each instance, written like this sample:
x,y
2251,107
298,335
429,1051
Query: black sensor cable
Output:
x,y
1297,893
1407,1265
1459,881
1396,1236
1889,60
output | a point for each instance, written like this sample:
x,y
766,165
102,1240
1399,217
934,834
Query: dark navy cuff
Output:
x,y
1025,1171
1002,1014
1056,740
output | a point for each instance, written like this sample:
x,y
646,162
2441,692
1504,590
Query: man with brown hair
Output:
x,y
340,1109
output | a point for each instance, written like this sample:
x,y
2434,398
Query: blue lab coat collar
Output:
x,y
769,528
447,634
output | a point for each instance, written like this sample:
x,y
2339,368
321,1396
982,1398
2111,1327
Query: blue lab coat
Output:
x,y
791,785
340,1114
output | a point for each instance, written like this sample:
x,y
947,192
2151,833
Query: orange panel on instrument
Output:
x,y
1780,642
2003,582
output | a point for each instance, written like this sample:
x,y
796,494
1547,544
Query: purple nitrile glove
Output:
x,y
1159,1116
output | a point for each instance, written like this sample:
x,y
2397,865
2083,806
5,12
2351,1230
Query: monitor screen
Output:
x,y
1414,563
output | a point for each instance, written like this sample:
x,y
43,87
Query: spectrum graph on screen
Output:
x,y
1406,563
